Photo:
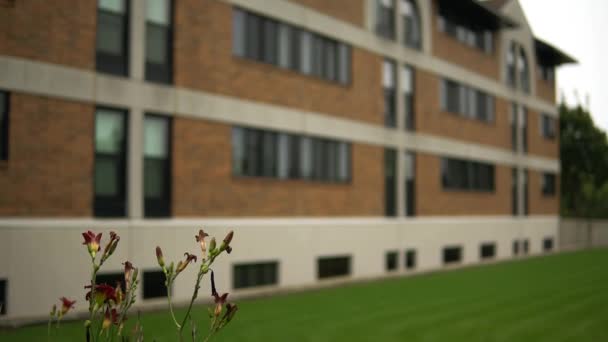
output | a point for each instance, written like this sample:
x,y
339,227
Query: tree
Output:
x,y
584,165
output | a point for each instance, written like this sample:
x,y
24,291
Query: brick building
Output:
x,y
341,140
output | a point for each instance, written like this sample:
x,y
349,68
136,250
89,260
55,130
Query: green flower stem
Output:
x,y
169,283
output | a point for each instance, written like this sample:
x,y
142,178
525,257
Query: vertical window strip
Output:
x,y
157,166
112,52
4,125
159,41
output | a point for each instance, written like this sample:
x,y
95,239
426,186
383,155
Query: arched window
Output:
x,y
524,71
412,30
511,73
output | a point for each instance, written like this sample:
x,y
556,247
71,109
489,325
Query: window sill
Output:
x,y
268,179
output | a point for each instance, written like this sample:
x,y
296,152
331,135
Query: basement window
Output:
x,y
154,284
391,260
337,266
452,255
3,296
487,250
515,247
410,259
255,274
525,246
548,244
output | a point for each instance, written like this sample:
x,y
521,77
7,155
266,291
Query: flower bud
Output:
x,y
53,311
228,237
159,257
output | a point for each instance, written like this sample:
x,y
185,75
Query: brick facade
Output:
x,y
433,200
203,184
50,167
454,51
59,31
539,145
203,38
351,11
432,120
541,204
545,89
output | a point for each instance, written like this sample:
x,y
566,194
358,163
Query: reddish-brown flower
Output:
x,y
109,318
103,293
92,241
219,300
182,264
159,257
225,246
129,269
66,305
111,246
200,238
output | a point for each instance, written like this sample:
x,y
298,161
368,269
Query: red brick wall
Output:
x,y
432,120
204,61
351,11
541,204
448,48
203,184
538,145
545,89
433,200
58,31
50,166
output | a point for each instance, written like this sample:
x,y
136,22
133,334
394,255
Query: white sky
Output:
x,y
580,28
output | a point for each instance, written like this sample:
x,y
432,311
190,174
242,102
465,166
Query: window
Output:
x,y
515,247
459,174
452,254
487,250
514,121
511,71
466,101
524,128
388,84
412,36
391,260
255,274
524,71
390,182
407,88
514,192
110,162
525,247
259,153
548,127
3,296
4,121
154,284
159,41
329,267
111,279
548,244
410,184
112,54
464,32
546,72
548,184
157,166
410,259
269,41
526,179
385,18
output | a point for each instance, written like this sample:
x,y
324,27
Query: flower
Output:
x,y
225,246
129,269
200,238
92,241
66,305
111,246
219,300
103,294
109,318
159,257
182,264
231,310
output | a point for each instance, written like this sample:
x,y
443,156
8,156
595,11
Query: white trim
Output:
x,y
312,20
86,86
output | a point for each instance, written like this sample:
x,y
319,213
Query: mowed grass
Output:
x,y
560,297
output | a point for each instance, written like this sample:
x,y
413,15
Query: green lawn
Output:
x,y
555,298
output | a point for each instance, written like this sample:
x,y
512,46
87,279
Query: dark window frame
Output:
x,y
4,296
163,73
161,208
452,254
411,257
4,126
385,20
391,261
335,266
548,244
467,175
487,250
549,184
153,284
390,182
112,64
113,206
409,40
242,274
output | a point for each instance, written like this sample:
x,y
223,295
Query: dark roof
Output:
x,y
548,54
484,15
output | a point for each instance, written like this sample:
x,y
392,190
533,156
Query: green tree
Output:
x,y
584,165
